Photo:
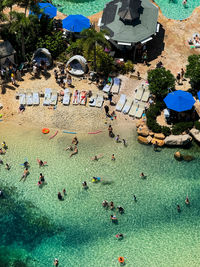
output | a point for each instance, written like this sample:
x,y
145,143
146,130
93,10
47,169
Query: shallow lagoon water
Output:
x,y
36,227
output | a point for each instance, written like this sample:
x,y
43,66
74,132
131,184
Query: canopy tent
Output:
x,y
76,23
77,65
179,101
129,21
48,9
42,54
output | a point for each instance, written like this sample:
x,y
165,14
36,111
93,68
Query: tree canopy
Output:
x,y
193,71
160,81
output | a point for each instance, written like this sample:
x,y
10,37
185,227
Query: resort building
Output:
x,y
129,22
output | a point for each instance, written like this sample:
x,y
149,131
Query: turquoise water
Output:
x,y
36,227
84,7
174,9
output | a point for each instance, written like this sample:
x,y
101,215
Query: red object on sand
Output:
x,y
95,132
53,135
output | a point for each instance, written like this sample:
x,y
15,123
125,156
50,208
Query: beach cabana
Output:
x,y
47,8
42,54
76,23
129,22
179,101
77,65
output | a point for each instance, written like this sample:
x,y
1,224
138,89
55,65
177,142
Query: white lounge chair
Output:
x,y
83,97
99,101
22,98
54,98
93,100
133,109
36,98
76,97
47,97
121,102
146,95
116,85
66,97
140,110
29,98
108,86
128,105
139,93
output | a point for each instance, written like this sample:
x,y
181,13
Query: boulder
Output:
x,y
195,133
178,140
140,122
159,136
158,142
187,157
143,140
143,131
178,156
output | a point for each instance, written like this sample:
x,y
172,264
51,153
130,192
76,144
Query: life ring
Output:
x,y
45,130
121,259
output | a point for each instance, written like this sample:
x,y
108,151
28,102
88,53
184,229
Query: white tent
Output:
x,y
77,65
42,54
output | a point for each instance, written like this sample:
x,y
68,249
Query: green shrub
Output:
x,y
180,127
197,125
166,130
153,125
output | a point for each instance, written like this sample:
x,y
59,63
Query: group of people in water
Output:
x,y
111,206
73,149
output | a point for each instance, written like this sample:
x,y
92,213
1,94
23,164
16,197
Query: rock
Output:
x,y
178,156
149,138
195,133
143,131
187,157
178,140
159,136
139,123
143,140
151,133
157,141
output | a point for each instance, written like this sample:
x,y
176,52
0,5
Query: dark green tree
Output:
x,y
89,41
160,81
193,71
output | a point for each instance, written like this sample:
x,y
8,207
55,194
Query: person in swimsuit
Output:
x,y
25,174
7,167
74,152
75,141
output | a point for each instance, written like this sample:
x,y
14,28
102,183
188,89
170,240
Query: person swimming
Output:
x,y
113,218
75,141
187,202
113,157
105,203
1,161
69,148
64,192
97,157
7,167
26,164
120,236
142,175
134,198
55,263
120,209
4,145
178,208
60,197
74,152
2,152
112,205
25,174
84,184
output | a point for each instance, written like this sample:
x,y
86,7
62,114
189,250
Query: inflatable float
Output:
x,y
69,132
45,130
53,135
121,260
95,132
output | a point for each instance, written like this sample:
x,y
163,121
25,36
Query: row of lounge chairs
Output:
x,y
112,86
134,107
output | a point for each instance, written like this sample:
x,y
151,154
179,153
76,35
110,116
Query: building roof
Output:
x,y
130,20
6,49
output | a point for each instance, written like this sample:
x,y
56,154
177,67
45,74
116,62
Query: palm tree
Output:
x,y
90,40
20,23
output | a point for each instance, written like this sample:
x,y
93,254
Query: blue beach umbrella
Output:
x,y
198,94
48,9
179,101
76,23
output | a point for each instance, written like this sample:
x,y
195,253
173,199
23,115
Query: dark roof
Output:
x,y
130,10
133,21
6,49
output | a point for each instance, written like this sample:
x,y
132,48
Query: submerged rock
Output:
x,y
178,140
178,156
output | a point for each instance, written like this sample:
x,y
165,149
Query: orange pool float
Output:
x,y
121,259
45,130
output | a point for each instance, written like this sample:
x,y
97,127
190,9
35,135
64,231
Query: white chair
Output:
x,y
121,103
54,98
139,93
128,105
108,86
116,85
29,98
99,101
140,110
133,109
146,95
36,98
47,97
93,100
22,99
66,97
